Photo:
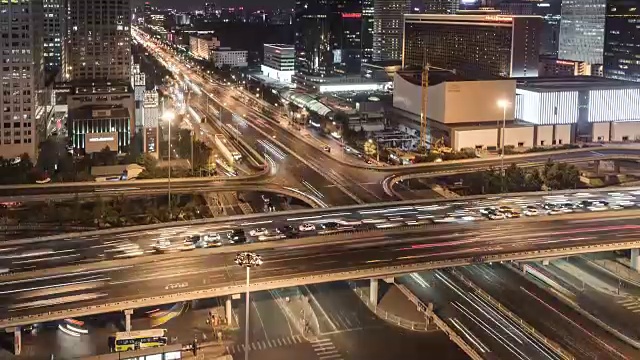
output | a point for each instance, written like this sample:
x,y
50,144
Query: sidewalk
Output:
x,y
393,306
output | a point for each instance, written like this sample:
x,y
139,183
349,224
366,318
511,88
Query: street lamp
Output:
x,y
168,117
503,104
247,260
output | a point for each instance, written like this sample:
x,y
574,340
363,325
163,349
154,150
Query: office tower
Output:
x,y
387,28
622,40
478,46
278,62
54,26
328,37
550,12
367,30
443,6
21,26
582,30
99,35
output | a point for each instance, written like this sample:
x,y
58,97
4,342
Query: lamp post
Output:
x,y
503,104
247,260
168,117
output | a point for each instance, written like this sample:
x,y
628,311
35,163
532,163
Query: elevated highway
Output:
x,y
108,286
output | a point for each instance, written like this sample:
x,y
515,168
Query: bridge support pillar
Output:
x,y
227,310
373,292
127,319
17,339
616,167
635,259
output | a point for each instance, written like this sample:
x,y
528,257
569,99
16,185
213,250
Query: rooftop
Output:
x,y
573,83
435,77
280,46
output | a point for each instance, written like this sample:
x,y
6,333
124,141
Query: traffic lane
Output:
x,y
492,334
560,323
605,304
605,276
341,309
271,317
410,242
202,271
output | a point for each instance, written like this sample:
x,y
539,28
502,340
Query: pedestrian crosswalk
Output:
x,y
325,349
266,344
630,303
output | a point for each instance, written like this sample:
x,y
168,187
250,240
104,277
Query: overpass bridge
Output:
x,y
108,286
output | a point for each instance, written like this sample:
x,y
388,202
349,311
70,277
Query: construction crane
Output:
x,y
425,125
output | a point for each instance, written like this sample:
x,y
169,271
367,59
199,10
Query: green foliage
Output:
x,y
553,176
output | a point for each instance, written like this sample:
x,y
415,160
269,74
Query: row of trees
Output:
x,y
552,176
105,213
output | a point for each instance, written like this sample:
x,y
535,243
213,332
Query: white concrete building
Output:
x,y
201,45
227,56
278,63
542,112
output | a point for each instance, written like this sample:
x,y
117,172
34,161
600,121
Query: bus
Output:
x,y
136,340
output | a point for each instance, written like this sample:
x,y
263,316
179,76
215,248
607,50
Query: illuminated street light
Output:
x,y
503,104
247,260
169,116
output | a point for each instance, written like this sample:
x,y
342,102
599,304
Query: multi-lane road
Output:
x,y
301,261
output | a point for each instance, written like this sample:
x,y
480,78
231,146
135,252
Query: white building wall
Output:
x,y
563,134
614,105
600,132
547,108
474,138
545,135
625,131
519,136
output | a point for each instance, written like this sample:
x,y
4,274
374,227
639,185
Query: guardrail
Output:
x,y
396,320
516,319
393,180
305,279
441,324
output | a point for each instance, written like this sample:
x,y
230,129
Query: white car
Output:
x,y
374,220
530,211
349,222
306,227
259,232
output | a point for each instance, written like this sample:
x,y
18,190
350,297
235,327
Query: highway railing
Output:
x,y
393,319
564,354
441,324
305,279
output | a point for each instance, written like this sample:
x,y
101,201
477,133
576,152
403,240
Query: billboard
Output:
x,y
95,142
150,139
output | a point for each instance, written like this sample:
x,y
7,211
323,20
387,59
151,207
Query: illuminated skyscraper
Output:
x,y
622,40
582,30
387,28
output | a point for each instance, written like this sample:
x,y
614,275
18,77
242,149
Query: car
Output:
x,y
287,230
188,245
368,161
327,148
331,225
373,220
237,236
511,214
349,222
259,232
495,215
307,227
530,211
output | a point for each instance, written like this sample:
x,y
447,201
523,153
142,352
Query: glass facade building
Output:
x,y
387,28
622,40
582,30
476,46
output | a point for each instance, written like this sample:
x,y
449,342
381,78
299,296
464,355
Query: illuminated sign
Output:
x,y
101,139
498,18
564,62
351,15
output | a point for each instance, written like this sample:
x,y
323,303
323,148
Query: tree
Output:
x,y
201,154
343,119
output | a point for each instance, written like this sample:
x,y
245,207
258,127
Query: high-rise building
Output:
x,y
550,12
278,62
387,28
582,30
367,30
99,35
54,26
328,37
442,6
209,9
21,25
473,45
622,40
